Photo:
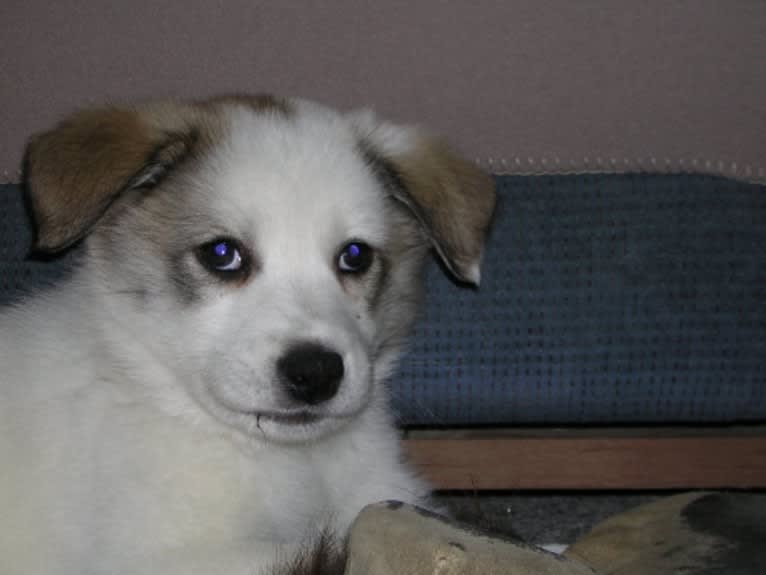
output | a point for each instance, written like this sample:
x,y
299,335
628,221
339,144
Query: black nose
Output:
x,y
310,373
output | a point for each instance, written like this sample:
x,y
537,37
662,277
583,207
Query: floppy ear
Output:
x,y
77,169
451,197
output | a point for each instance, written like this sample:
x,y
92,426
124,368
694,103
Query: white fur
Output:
x,y
119,452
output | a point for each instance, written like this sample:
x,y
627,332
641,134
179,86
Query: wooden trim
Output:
x,y
590,462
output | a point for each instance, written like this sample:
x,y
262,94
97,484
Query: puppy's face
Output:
x,y
274,270
267,256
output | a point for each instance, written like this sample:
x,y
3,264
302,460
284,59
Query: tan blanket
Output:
x,y
689,534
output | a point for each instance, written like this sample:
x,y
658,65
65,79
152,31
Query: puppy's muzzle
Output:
x,y
310,373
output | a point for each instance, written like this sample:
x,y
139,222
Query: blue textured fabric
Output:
x,y
605,299
20,274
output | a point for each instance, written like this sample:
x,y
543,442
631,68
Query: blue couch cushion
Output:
x,y
608,299
20,274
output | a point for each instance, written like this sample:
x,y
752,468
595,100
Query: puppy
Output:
x,y
206,392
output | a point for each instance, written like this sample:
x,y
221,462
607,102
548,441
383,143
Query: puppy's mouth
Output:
x,y
297,418
297,424
291,422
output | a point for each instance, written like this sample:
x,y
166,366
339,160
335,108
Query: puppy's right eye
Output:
x,y
223,256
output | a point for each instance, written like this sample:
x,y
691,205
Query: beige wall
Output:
x,y
551,85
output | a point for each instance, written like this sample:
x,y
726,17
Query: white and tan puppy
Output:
x,y
207,391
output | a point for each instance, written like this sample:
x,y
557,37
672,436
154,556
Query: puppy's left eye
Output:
x,y
221,256
355,258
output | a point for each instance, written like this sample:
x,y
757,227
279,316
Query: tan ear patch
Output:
x,y
75,170
453,198
259,103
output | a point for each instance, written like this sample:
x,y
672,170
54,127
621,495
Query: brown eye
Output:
x,y
355,258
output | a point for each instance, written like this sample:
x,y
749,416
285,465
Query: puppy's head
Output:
x,y
266,253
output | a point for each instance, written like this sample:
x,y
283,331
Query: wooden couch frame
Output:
x,y
591,459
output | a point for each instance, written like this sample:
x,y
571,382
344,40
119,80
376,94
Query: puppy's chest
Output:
x,y
187,488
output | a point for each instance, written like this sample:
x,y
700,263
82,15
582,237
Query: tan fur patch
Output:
x,y
455,200
77,169
257,102
74,171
